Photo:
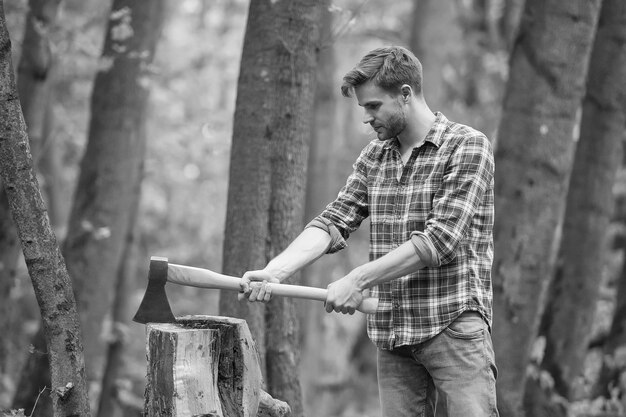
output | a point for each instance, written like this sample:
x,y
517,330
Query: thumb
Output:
x,y
244,285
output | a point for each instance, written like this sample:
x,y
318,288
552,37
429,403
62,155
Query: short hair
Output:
x,y
388,67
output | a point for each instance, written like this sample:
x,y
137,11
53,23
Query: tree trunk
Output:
x,y
110,404
247,213
320,185
51,281
534,158
575,291
9,252
293,99
320,190
34,85
268,169
111,167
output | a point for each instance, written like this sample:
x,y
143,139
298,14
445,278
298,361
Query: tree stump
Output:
x,y
205,366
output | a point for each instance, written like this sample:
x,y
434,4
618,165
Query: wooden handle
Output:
x,y
205,278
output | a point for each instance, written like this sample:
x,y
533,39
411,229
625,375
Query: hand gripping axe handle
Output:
x,y
155,307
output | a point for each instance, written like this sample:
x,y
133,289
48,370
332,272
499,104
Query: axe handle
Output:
x,y
205,278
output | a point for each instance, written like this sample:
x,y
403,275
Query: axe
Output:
x,y
155,308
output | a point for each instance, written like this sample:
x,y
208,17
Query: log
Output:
x,y
205,366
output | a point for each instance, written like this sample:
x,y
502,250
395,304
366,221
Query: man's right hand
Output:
x,y
257,286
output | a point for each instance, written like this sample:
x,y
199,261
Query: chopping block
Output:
x,y
205,366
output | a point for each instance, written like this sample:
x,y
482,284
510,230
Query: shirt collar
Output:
x,y
434,136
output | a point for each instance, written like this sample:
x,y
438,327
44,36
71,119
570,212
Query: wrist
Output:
x,y
276,272
359,278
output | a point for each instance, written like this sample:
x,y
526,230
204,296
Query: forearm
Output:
x,y
306,248
395,264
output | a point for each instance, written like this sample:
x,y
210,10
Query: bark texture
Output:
x,y
34,83
293,96
268,171
320,188
534,156
203,365
182,371
46,267
9,252
571,309
249,190
111,167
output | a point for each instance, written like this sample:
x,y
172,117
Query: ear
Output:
x,y
406,92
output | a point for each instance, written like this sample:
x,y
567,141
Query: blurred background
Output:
x,y
188,118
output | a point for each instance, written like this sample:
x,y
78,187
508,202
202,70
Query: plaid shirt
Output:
x,y
445,193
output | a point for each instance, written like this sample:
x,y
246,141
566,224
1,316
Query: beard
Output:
x,y
393,127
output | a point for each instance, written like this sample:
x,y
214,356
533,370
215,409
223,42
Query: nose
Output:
x,y
367,118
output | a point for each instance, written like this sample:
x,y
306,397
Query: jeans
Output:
x,y
453,374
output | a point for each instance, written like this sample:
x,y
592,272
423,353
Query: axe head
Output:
x,y
155,308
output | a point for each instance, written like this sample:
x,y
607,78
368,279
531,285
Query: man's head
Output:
x,y
388,68
387,83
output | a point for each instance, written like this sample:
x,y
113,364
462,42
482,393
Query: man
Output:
x,y
426,184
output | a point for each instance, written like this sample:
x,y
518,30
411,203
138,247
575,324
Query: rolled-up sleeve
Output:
x,y
424,249
468,175
337,241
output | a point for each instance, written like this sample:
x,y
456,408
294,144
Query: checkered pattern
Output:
x,y
445,191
